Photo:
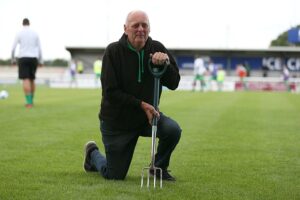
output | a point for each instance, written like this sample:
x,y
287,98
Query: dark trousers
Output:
x,y
120,145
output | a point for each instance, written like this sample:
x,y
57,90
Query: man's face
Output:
x,y
137,29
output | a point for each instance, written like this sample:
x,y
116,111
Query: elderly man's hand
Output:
x,y
159,58
150,111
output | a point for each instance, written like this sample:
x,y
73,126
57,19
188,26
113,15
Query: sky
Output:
x,y
233,24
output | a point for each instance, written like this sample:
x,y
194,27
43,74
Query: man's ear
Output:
x,y
125,31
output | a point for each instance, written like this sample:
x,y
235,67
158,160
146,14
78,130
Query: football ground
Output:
x,y
234,145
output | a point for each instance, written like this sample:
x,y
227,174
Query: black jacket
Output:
x,y
126,81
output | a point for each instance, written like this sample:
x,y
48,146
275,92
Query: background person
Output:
x,y
199,73
265,70
248,68
97,71
73,80
80,67
220,77
30,56
286,76
242,73
212,69
127,95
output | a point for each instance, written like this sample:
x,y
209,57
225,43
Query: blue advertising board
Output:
x,y
294,35
255,63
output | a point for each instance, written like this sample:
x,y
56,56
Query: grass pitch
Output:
x,y
242,145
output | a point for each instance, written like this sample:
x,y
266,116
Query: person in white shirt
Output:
x,y
73,79
29,57
286,76
199,72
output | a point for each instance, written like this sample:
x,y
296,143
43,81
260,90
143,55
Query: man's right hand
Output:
x,y
150,111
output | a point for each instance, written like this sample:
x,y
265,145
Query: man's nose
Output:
x,y
140,28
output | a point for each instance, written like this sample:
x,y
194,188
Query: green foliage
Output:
x,y
282,40
53,63
241,145
56,63
5,62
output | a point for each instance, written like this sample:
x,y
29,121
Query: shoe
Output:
x,y
165,175
88,149
28,105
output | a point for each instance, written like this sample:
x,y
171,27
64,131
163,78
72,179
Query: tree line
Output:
x,y
282,40
51,63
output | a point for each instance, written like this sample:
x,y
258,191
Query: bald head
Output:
x,y
136,13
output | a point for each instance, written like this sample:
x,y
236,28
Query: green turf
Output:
x,y
242,145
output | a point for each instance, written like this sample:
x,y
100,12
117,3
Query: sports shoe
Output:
x,y
165,175
28,105
88,149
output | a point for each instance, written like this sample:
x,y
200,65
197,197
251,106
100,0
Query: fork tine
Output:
x,y
155,169
142,178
